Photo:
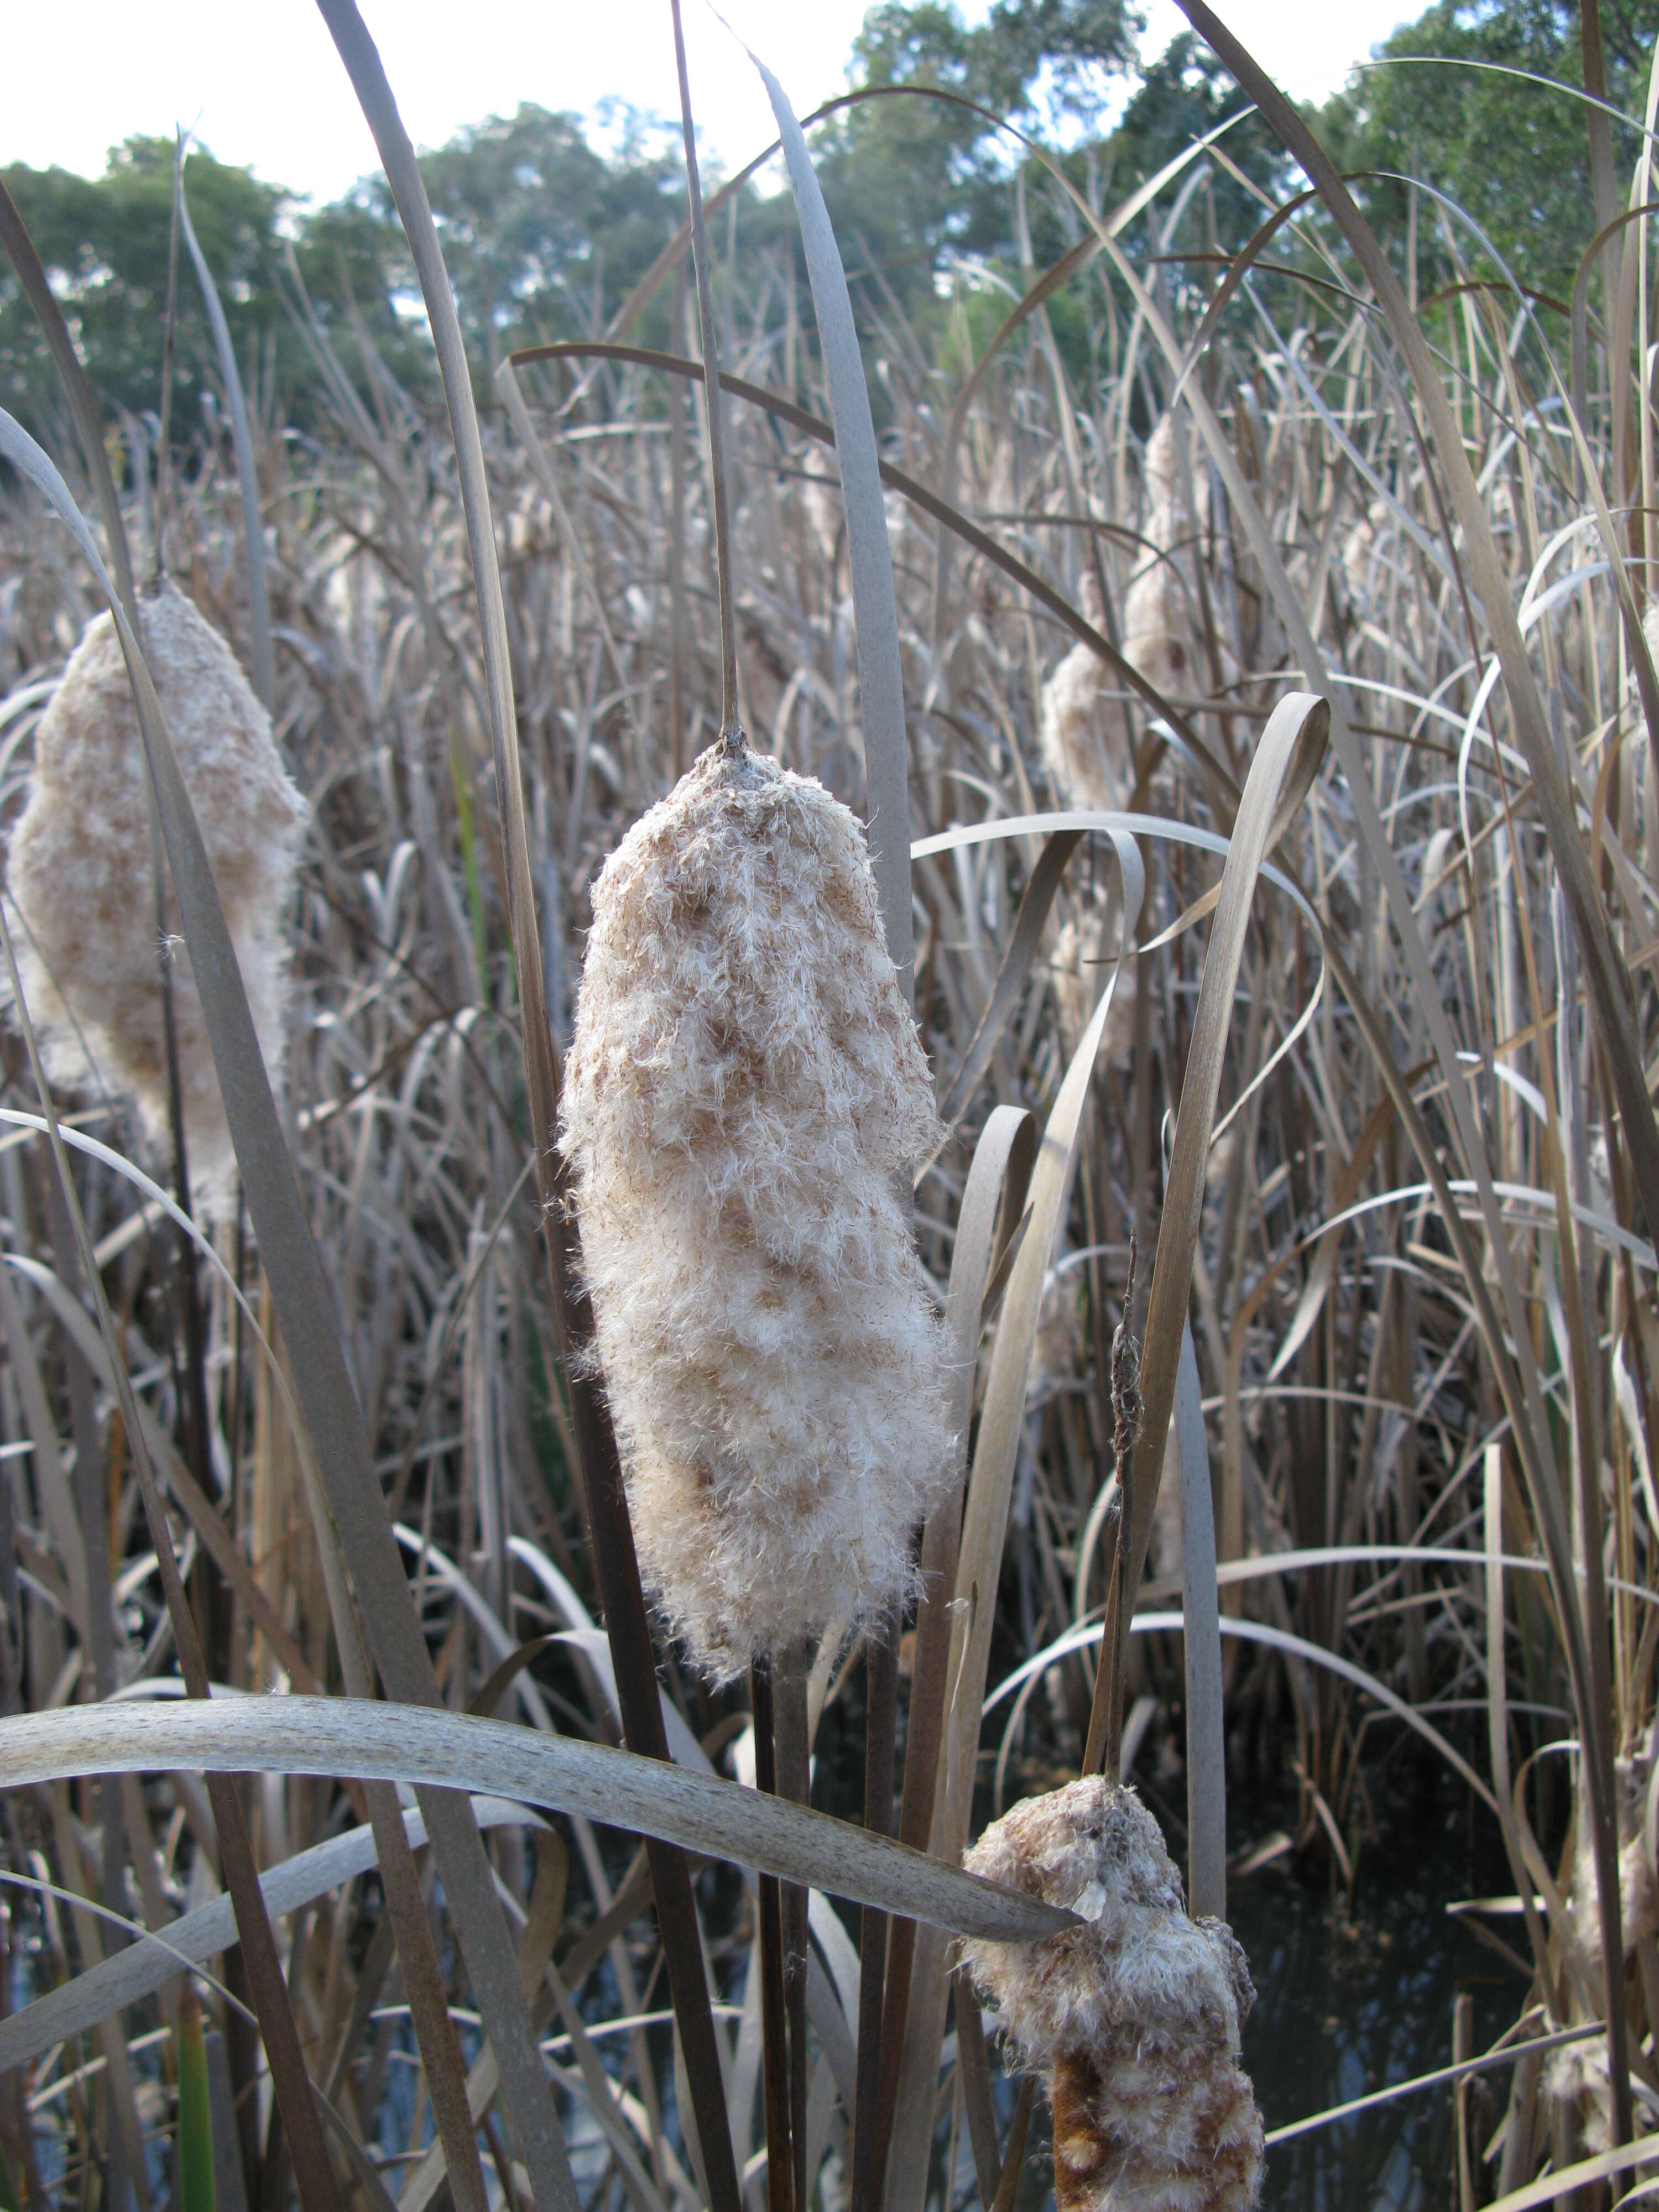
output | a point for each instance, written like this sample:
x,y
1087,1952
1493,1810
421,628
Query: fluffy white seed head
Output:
x,y
1360,552
78,867
1157,637
1157,631
744,1094
1160,470
1082,735
1082,943
1133,2018
1638,1896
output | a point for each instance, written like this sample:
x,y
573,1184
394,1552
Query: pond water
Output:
x,y
1347,2004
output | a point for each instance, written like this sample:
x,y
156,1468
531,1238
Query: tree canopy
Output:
x,y
1443,103
546,234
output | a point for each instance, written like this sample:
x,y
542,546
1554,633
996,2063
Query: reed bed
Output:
x,y
1319,1066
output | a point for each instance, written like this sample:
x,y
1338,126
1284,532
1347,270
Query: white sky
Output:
x,y
261,81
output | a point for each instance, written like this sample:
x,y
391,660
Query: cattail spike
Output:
x,y
745,1094
1132,2018
79,868
1157,623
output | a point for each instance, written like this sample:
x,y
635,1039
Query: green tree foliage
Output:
x,y
917,188
103,244
1512,153
1183,96
911,180
542,234
545,233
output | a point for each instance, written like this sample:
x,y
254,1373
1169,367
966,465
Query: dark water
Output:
x,y
1350,2002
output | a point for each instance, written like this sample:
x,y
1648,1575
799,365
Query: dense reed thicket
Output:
x,y
1368,1108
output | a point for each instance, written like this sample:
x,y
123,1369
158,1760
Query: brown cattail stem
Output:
x,y
186,1286
974,2069
792,1754
1080,2151
677,542
1102,1754
731,728
780,2163
881,1665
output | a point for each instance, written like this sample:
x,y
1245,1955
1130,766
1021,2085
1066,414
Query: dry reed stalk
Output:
x,y
1133,2019
79,869
745,1090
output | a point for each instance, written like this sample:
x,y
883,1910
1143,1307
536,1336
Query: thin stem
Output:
x,y
1102,1752
793,1754
677,542
881,1662
731,726
1014,2159
164,432
780,2165
295,2103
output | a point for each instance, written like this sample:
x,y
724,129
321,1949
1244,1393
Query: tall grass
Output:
x,y
1353,1040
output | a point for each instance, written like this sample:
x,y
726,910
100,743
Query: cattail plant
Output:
x,y
1082,733
1083,739
79,869
1132,2018
1157,631
1577,2077
743,1093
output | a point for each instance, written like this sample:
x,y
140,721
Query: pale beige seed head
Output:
x,y
1082,944
1133,2018
1360,563
1158,634
1081,736
1157,631
78,867
744,1096
1160,471
1638,1897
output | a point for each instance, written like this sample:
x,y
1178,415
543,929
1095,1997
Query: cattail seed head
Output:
x,y
1157,631
78,867
1133,2018
1081,732
1359,552
744,1094
1081,944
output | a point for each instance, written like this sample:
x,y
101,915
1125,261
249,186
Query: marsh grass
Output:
x,y
1391,1186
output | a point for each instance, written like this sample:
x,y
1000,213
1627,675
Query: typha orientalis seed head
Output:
x,y
78,867
744,1093
1131,2018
